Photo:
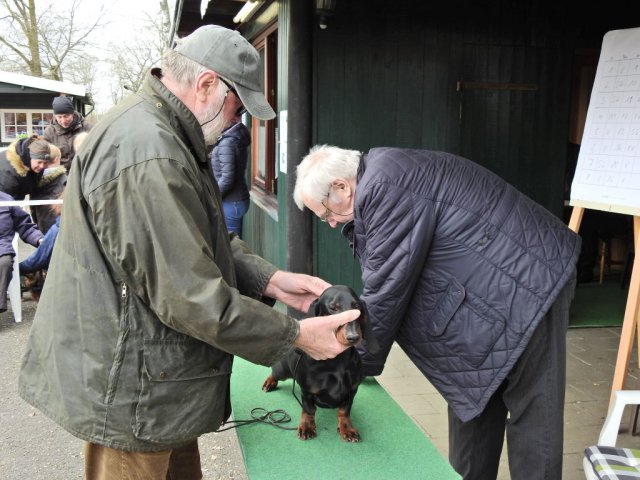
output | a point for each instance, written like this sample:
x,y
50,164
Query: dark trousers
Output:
x,y
6,274
529,405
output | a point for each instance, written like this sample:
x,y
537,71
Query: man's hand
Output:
x,y
295,289
317,336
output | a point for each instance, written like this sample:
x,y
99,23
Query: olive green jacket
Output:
x,y
146,299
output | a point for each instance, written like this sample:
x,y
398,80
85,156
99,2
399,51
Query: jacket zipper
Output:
x,y
120,346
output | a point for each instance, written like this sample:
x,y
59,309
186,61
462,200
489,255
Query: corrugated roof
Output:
x,y
43,83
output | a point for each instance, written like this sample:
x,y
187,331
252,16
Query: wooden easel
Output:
x,y
631,310
606,176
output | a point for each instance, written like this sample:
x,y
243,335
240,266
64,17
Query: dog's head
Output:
x,y
340,298
34,283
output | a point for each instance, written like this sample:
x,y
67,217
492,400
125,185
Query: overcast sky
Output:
x,y
122,24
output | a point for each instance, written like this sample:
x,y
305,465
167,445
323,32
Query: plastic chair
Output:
x,y
610,462
15,294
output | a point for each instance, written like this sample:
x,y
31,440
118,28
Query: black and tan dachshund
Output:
x,y
329,383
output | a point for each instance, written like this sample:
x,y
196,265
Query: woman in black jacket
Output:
x,y
22,166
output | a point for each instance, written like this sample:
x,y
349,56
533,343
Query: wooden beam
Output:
x,y
496,86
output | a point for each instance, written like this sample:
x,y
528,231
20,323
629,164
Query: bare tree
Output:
x,y
44,43
19,36
131,62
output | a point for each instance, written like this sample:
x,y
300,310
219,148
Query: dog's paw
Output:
x,y
307,432
347,431
270,384
352,435
307,427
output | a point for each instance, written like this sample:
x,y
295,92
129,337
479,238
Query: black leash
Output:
x,y
274,417
293,385
261,415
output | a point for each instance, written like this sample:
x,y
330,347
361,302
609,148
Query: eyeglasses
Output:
x,y
241,109
327,211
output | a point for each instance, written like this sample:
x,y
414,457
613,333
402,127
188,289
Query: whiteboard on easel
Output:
x,y
607,174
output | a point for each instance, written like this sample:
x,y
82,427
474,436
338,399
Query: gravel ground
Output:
x,y
33,447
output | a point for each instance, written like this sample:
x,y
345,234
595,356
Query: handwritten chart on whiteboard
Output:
x,y
607,175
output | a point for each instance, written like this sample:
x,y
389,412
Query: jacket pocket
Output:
x,y
183,388
474,330
459,323
449,300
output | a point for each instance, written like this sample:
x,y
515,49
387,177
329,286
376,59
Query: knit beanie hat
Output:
x,y
62,105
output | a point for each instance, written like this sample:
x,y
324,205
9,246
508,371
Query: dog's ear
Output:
x,y
313,308
367,332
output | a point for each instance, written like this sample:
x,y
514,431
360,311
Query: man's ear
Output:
x,y
341,186
205,84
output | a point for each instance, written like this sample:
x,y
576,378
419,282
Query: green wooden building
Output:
x,y
505,83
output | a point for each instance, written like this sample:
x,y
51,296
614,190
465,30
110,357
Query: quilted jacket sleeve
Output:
x,y
23,225
398,229
224,164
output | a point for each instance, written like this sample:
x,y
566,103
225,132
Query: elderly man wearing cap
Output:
x,y
67,123
148,296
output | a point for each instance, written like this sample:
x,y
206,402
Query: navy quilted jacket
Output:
x,y
458,267
229,162
15,220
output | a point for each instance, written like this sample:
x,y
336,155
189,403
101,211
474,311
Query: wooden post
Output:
x,y
576,218
630,316
636,238
631,310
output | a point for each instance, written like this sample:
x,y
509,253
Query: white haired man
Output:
x,y
148,296
472,279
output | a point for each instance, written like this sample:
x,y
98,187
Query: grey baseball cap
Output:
x,y
231,56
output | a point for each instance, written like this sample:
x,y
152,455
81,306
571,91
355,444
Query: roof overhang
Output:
x,y
43,84
191,14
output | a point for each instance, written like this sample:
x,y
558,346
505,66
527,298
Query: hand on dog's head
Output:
x,y
340,298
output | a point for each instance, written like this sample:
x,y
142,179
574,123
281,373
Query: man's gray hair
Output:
x,y
320,168
181,69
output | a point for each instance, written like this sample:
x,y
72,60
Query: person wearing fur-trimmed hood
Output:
x,y
22,165
50,186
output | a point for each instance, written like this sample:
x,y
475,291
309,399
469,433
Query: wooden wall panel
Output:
x,y
387,75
